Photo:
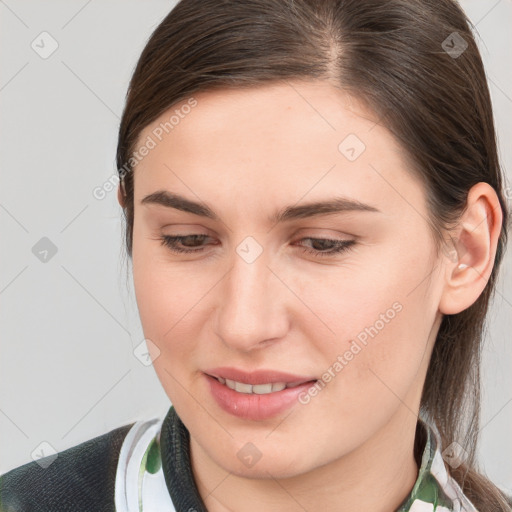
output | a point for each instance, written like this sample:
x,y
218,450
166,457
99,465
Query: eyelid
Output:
x,y
340,246
183,229
316,232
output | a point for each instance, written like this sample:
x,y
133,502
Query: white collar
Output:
x,y
136,489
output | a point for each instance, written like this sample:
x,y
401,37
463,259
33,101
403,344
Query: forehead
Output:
x,y
294,109
284,139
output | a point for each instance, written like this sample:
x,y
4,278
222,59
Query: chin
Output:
x,y
264,470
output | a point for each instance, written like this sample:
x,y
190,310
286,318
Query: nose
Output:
x,y
251,305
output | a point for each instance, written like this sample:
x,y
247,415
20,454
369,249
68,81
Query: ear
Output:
x,y
476,239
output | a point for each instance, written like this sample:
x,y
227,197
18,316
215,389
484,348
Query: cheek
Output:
x,y
389,296
379,324
165,299
169,320
373,371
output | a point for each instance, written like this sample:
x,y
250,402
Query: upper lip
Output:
x,y
257,376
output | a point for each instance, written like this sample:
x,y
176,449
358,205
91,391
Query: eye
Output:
x,y
320,247
188,241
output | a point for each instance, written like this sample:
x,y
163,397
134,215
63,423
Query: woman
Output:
x,y
315,216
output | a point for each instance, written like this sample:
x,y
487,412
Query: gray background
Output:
x,y
69,325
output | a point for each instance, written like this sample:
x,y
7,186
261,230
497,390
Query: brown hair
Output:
x,y
391,55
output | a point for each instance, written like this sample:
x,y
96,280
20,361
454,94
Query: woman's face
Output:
x,y
271,294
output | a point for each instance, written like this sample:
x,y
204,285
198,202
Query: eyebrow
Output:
x,y
329,206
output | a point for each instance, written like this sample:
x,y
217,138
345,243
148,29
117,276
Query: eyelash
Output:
x,y
340,245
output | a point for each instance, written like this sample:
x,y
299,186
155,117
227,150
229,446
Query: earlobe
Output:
x,y
477,237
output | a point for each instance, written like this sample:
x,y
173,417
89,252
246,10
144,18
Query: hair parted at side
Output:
x,y
389,54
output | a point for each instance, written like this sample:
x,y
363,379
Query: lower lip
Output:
x,y
253,406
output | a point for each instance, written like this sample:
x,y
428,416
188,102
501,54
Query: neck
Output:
x,y
376,476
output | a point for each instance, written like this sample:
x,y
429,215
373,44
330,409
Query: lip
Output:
x,y
257,407
257,376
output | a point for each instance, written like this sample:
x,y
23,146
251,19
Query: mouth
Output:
x,y
256,395
260,389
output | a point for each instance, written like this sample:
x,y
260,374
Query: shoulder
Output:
x,y
77,479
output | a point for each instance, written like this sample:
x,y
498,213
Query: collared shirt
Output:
x,y
148,482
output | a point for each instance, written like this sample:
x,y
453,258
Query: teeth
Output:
x,y
293,384
278,386
262,389
258,389
243,388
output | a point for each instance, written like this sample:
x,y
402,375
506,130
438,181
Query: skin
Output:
x,y
247,153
